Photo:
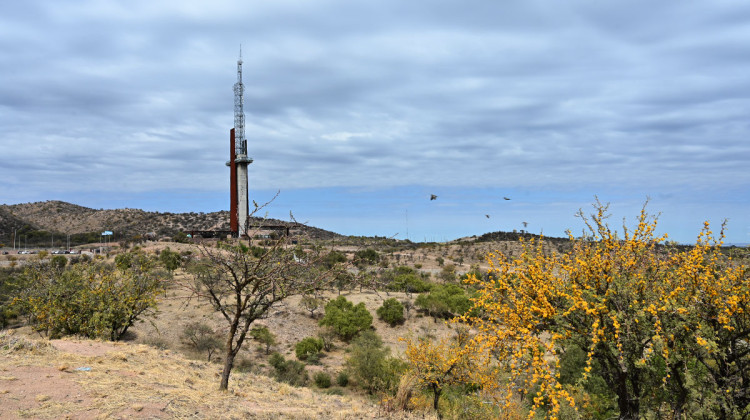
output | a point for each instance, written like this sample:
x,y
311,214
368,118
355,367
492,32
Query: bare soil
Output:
x,y
82,379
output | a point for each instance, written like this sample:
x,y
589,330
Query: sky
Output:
x,y
358,111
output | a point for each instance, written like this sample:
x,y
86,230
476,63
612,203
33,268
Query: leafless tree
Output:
x,y
243,283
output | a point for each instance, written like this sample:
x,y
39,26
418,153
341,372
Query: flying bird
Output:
x,y
487,216
432,197
506,198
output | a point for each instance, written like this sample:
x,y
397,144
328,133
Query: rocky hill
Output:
x,y
41,219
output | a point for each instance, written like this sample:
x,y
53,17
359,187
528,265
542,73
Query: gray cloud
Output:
x,y
526,95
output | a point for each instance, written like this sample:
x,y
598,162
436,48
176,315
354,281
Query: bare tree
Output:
x,y
243,283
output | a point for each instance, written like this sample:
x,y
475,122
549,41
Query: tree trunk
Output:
x,y
681,392
435,399
228,364
628,404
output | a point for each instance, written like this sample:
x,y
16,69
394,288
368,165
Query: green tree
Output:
x,y
264,336
345,318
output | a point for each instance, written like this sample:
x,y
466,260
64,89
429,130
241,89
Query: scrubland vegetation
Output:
x,y
608,324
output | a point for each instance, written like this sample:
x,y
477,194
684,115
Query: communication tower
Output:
x,y
238,160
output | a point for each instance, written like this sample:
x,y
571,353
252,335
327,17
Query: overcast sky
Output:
x,y
357,111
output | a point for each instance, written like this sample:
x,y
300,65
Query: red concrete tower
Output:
x,y
233,225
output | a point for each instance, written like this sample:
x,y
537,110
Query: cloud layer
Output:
x,y
632,99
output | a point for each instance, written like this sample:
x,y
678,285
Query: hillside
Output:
x,y
60,218
10,222
85,379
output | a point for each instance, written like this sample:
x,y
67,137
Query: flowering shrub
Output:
x,y
666,331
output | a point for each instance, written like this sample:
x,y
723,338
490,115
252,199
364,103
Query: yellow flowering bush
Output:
x,y
665,331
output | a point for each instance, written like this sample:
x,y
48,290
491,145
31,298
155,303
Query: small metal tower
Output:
x,y
239,111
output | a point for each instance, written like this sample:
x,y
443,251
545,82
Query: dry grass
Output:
x,y
141,382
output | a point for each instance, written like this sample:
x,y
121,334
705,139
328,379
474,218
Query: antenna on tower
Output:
x,y
239,111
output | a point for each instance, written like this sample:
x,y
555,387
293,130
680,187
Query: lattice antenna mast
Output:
x,y
239,112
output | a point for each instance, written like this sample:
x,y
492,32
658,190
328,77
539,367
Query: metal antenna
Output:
x,y
239,111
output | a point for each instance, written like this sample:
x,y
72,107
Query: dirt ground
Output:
x,y
82,379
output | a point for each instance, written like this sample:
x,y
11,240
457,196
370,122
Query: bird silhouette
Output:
x,y
506,198
487,216
432,197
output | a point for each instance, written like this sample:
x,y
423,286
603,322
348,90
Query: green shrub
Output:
x,y
333,258
58,261
171,260
392,312
448,273
276,360
181,237
89,299
244,364
308,348
345,318
366,257
405,279
9,289
444,301
342,379
157,342
370,365
322,380
288,371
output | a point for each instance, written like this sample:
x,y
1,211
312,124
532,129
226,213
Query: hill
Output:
x,y
40,221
